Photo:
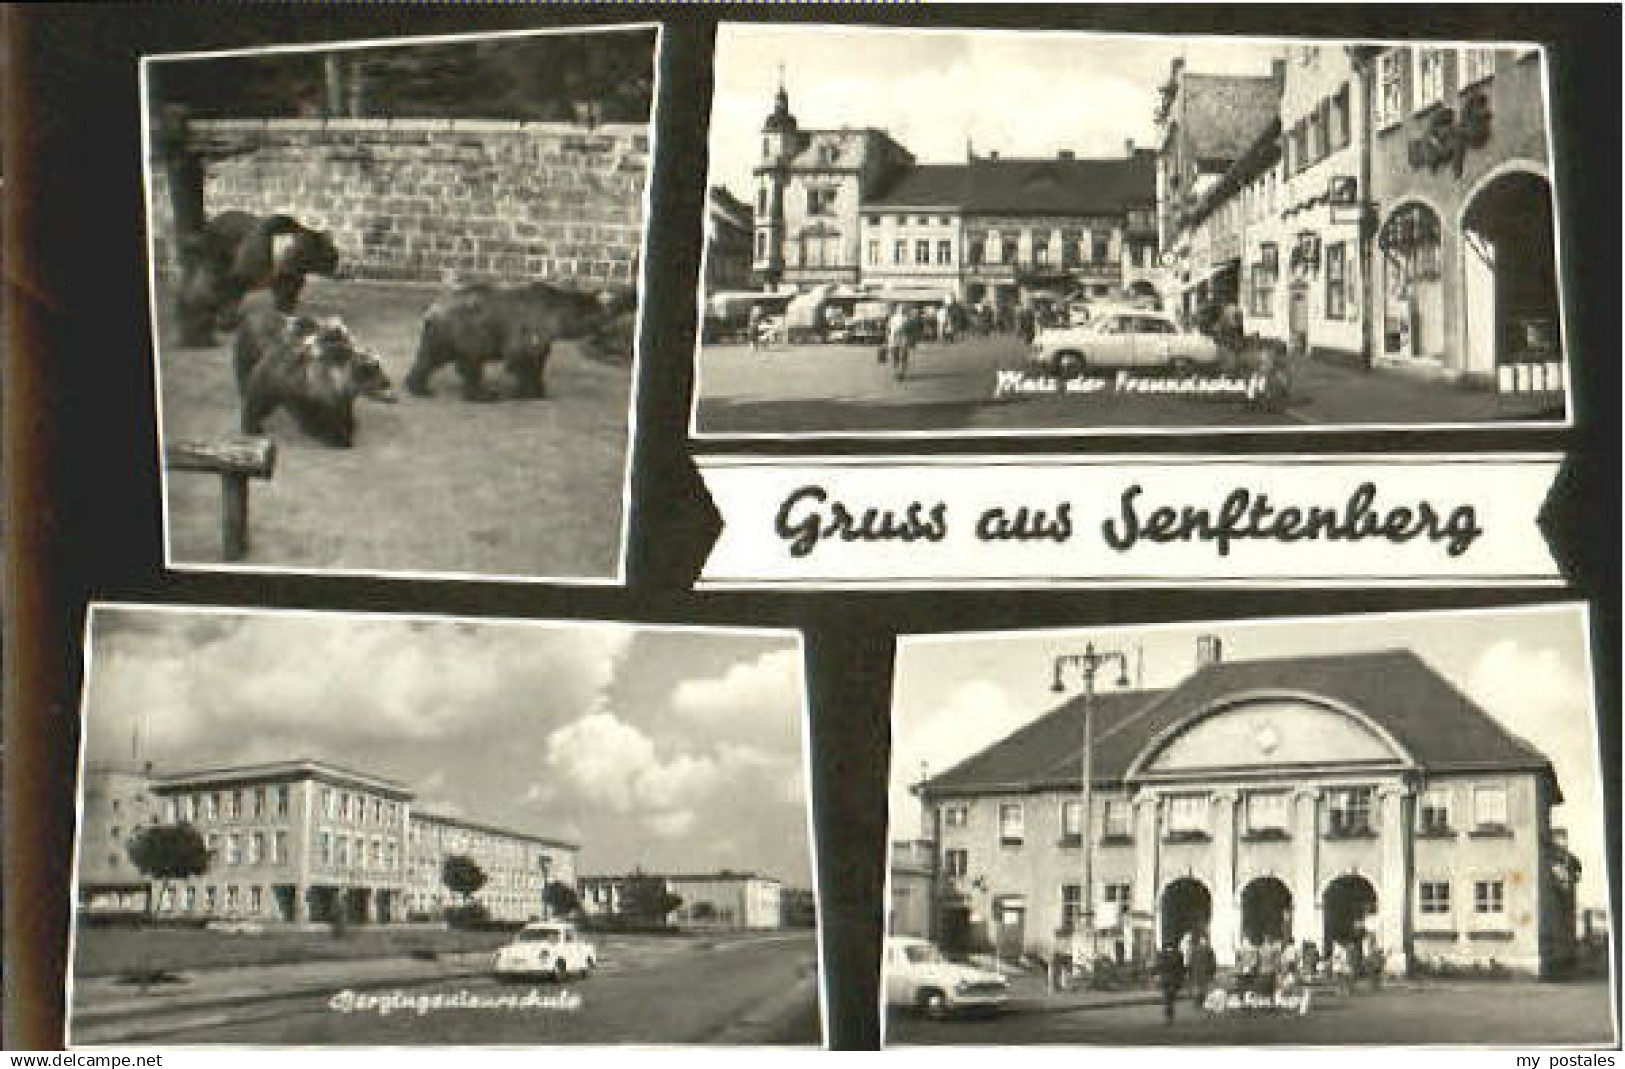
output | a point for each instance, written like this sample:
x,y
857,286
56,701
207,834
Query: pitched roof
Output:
x,y
1223,113
1436,724
1049,186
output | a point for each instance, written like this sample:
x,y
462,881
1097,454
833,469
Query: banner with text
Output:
x,y
1146,521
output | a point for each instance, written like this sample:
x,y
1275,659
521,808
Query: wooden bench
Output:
x,y
236,460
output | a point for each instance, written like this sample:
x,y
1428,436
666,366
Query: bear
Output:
x,y
237,253
480,322
312,368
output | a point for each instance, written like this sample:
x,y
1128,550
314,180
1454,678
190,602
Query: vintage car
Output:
x,y
1123,338
919,977
552,949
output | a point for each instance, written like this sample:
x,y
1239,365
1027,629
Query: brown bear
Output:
x,y
312,368
237,253
481,322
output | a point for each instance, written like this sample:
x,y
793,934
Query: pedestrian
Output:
x,y
1310,959
899,331
1232,329
1201,968
1027,324
1269,966
755,328
1170,977
945,323
1247,966
1342,968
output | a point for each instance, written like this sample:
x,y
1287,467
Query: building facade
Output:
x,y
1310,799
729,236
1464,264
913,885
518,867
293,842
719,900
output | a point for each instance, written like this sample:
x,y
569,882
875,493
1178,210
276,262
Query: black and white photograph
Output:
x,y
1344,830
324,829
979,232
394,302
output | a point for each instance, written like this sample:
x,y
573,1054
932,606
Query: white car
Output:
x,y
552,949
1123,338
920,978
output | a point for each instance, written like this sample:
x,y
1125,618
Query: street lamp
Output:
x,y
1087,663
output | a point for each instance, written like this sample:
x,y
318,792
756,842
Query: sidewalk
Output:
x,y
1327,394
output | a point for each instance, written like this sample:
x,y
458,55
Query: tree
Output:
x,y
647,898
168,852
561,899
462,875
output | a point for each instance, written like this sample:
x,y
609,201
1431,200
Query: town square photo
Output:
x,y
336,829
919,231
394,292
1382,830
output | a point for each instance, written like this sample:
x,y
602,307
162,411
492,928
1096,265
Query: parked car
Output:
x,y
552,949
919,977
1123,338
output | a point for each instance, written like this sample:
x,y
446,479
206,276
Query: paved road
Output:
x,y
840,388
1490,1014
752,991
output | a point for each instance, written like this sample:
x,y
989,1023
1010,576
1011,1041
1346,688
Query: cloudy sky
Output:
x,y
1526,668
1021,94
636,742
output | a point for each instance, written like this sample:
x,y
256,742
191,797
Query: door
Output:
x,y
1010,926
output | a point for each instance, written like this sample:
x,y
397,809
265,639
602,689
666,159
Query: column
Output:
x,y
1308,920
1144,891
1394,894
1225,928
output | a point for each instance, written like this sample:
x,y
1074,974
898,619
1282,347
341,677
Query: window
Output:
x,y
1391,86
1071,906
256,900
1267,811
1349,811
211,805
209,898
1433,897
945,252
1489,897
172,812
1116,894
899,251
1187,813
1490,806
1317,136
955,816
1263,290
189,898
1009,251
256,848
874,220
1429,77
820,202
231,898
922,252
279,848
1336,281
1100,247
761,201
1072,822
978,250
1011,824
1433,812
326,845
1041,252
955,863
1114,818
874,251
1476,64
1340,119
327,802
946,220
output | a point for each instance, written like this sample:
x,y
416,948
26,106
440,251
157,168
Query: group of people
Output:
x,y
1265,967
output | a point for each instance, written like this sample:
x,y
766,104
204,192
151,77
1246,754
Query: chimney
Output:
x,y
1209,650
1066,154
1128,147
993,155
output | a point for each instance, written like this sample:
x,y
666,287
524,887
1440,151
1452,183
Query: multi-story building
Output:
x,y
1308,798
729,234
809,185
913,888
292,841
517,866
724,900
852,207
1464,266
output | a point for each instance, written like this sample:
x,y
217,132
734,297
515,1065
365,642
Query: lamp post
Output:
x,y
1087,663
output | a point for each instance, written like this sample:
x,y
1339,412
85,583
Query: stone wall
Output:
x,y
437,199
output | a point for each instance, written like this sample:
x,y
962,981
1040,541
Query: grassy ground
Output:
x,y
116,951
524,487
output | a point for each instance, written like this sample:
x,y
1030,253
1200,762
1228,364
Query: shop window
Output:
x,y
1336,281
1391,104
1475,64
1429,77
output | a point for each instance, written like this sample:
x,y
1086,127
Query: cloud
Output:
x,y
975,715
758,701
